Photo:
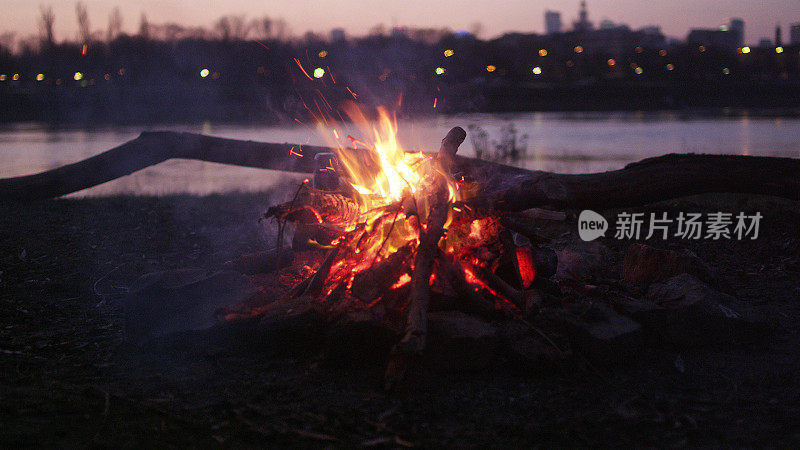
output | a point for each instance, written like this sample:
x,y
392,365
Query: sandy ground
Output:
x,y
67,378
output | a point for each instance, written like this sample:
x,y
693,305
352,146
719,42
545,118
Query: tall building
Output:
x,y
552,22
794,33
712,38
583,23
778,38
338,35
735,25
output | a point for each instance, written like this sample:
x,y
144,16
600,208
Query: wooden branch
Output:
x,y
417,322
639,183
152,148
504,187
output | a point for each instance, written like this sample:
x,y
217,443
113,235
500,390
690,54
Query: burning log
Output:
x,y
417,326
318,279
502,187
375,281
473,301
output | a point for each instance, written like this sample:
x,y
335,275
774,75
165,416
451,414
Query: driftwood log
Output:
x,y
504,187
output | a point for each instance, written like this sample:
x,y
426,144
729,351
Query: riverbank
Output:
x,y
68,379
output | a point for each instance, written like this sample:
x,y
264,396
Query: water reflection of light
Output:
x,y
745,134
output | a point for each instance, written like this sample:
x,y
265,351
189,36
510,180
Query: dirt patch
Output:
x,y
67,378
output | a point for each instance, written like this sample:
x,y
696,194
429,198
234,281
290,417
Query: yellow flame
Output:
x,y
389,182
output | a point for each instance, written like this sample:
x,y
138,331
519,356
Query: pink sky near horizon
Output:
x,y
675,17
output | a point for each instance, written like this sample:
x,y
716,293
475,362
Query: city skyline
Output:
x,y
676,19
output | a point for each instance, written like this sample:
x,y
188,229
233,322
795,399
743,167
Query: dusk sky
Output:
x,y
675,17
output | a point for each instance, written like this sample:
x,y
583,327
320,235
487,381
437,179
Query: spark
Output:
x,y
297,61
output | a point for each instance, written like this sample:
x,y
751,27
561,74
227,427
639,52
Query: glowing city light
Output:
x,y
542,52
2,77
578,49
322,53
670,67
611,62
639,49
204,73
490,68
40,77
662,52
448,53
537,70
638,70
745,50
439,71
78,76
319,72
726,71
702,48
778,49
15,77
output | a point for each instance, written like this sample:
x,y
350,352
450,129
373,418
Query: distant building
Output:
x,y
735,25
764,43
794,33
778,39
606,24
338,35
713,38
552,22
652,30
583,23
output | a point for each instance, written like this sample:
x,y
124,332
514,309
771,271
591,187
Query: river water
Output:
x,y
561,142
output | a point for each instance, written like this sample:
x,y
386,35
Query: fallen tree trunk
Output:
x,y
643,182
152,148
503,187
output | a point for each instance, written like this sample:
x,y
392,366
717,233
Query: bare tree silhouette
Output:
x,y
114,24
144,27
47,19
84,29
232,28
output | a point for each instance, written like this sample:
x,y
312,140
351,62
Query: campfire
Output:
x,y
390,231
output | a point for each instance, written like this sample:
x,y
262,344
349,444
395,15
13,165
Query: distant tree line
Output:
x,y
254,70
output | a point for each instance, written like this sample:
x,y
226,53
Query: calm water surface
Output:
x,y
570,143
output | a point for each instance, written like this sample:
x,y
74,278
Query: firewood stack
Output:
x,y
484,265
